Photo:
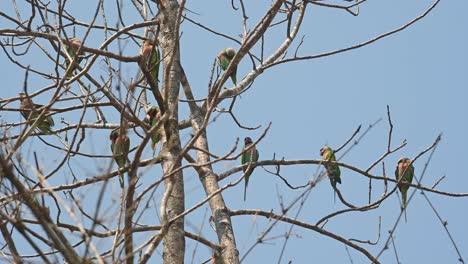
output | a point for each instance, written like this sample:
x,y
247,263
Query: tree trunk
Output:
x,y
174,240
209,179
224,230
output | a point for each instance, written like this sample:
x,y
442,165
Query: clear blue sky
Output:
x,y
421,73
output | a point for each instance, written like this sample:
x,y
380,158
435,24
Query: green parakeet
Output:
x,y
333,170
248,156
152,116
405,171
150,53
30,111
71,51
224,59
120,146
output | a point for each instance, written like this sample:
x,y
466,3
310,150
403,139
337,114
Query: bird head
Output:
x,y
324,150
75,44
147,48
247,141
114,135
22,97
148,42
404,160
154,111
151,113
230,53
25,100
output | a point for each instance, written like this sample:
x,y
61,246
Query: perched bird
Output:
x,y
72,52
248,156
405,171
216,258
30,111
224,59
333,170
120,146
152,116
150,53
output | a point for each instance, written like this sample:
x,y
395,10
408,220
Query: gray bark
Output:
x,y
173,202
222,220
209,180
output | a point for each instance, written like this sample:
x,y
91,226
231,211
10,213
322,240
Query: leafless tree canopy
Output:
x,y
60,197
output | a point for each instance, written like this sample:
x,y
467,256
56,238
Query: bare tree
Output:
x,y
57,207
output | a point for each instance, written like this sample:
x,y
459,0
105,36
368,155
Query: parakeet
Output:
x,y
405,171
333,170
71,51
30,111
152,116
149,49
224,59
250,155
120,146
216,258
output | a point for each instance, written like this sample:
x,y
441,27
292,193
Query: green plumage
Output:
x,y
250,155
150,53
404,170
72,52
120,146
152,116
30,111
224,59
333,170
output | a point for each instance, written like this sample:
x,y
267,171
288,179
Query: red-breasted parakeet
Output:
x,y
404,170
224,59
152,116
333,170
30,111
120,146
72,52
250,155
150,53
216,258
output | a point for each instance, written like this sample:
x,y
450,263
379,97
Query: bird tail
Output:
x,y
70,73
154,142
154,145
155,73
245,190
121,162
45,129
121,180
333,184
247,175
234,77
403,202
337,180
334,192
45,125
65,144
